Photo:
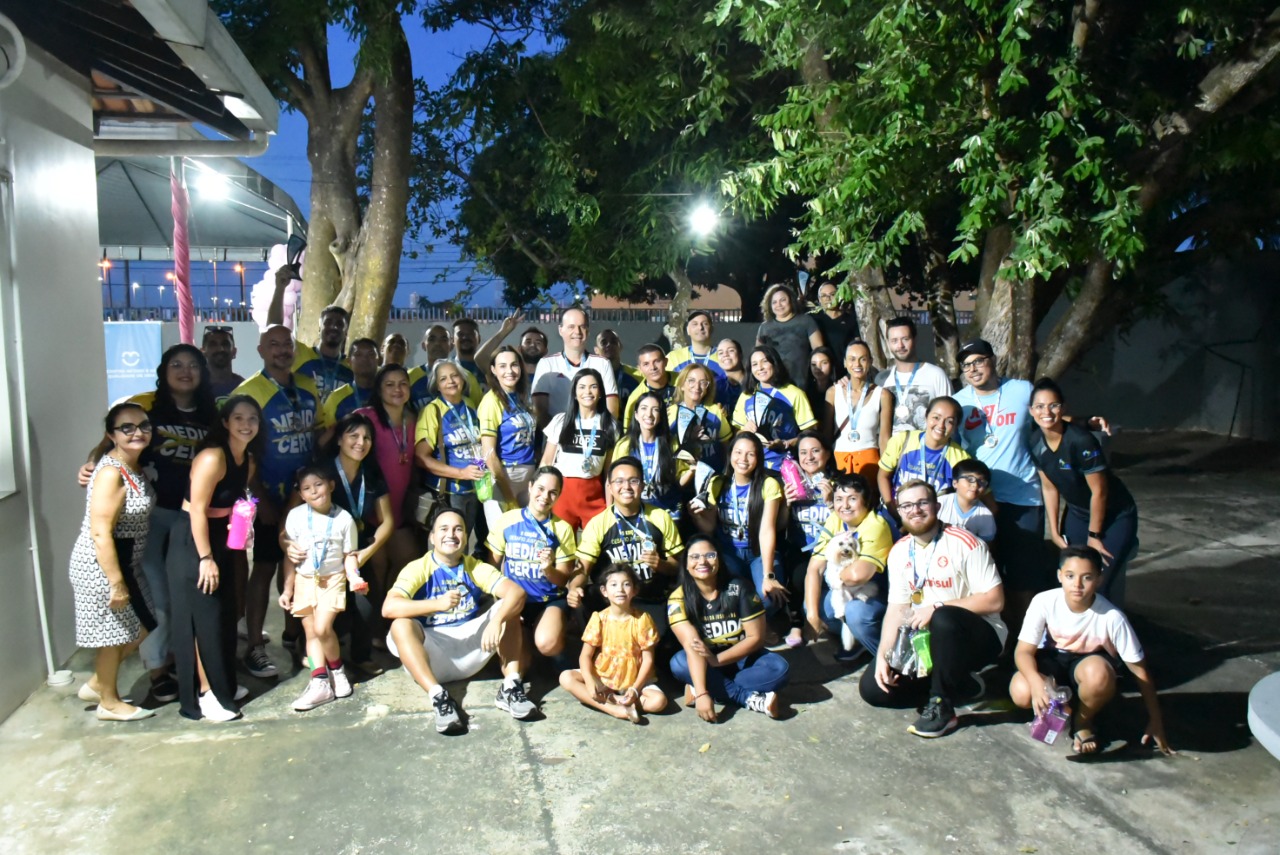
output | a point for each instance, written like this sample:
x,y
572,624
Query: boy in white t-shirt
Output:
x,y
315,589
1078,638
965,508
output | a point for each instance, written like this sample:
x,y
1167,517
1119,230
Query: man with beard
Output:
x,y
941,579
913,383
533,346
219,349
702,350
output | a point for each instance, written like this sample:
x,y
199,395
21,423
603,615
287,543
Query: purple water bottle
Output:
x,y
1049,724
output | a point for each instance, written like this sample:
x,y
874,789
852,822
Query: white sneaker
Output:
x,y
214,711
341,685
764,702
318,692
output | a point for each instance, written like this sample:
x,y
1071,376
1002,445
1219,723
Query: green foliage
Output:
x,y
959,116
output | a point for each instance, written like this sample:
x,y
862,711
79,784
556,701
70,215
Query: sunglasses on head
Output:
x,y
218,328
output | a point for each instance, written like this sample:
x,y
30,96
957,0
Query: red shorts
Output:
x,y
580,500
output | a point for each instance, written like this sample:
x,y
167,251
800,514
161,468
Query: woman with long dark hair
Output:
x,y
508,433
772,407
361,491
580,444
649,440
393,417
1100,511
719,622
200,562
729,355
111,596
818,383
742,511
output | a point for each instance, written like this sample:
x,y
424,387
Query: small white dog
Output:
x,y
841,552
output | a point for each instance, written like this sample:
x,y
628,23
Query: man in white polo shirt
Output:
x,y
941,579
554,377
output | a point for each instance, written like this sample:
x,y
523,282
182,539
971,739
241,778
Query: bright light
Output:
x,y
105,264
212,184
703,220
171,276
135,284
239,268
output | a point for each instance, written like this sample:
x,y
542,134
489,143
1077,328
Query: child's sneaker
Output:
x,y
515,701
938,718
448,720
318,692
764,702
341,685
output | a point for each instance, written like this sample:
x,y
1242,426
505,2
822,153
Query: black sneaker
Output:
x,y
515,701
938,718
448,719
164,689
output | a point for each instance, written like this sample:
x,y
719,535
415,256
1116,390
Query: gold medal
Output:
x,y
917,597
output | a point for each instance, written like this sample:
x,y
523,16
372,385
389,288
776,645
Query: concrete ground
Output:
x,y
370,773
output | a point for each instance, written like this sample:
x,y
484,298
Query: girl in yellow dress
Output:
x,y
616,670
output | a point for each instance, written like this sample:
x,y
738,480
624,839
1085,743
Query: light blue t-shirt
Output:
x,y
1006,415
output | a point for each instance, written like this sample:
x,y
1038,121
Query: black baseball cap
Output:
x,y
977,347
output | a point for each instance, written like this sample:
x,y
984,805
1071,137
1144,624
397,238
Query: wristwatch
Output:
x,y
770,576
1096,534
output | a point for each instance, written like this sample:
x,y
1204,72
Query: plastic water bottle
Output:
x,y
1050,724
242,514
794,478
484,487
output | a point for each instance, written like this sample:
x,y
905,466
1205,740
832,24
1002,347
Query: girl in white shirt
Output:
x,y
579,444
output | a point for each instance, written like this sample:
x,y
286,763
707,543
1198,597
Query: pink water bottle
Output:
x,y
242,513
794,478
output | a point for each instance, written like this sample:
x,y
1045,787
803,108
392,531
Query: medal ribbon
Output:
x,y
897,382
318,562
357,508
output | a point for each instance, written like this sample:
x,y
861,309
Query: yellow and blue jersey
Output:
x,y
779,413
291,415
344,401
453,432
513,426
518,538
909,459
426,578
328,374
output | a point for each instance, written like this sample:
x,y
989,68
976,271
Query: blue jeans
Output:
x,y
741,564
759,672
863,619
155,649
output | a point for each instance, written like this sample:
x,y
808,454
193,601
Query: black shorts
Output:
x,y
532,612
266,543
1061,665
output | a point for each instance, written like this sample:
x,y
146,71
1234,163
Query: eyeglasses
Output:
x,y
622,482
1040,408
922,505
695,557
972,364
129,428
980,483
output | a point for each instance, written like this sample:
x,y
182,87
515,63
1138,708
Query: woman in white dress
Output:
x,y
111,596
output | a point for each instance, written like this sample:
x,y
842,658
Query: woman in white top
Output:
x,y
579,444
861,415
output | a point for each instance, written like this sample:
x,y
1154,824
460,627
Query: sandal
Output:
x,y
1085,742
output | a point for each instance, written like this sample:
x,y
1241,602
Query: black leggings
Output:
x,y
960,642
205,619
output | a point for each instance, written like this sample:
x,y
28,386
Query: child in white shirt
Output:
x,y
1077,637
964,507
315,589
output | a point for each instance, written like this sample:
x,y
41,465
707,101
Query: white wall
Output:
x,y
46,143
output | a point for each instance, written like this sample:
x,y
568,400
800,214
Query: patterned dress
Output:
x,y
97,625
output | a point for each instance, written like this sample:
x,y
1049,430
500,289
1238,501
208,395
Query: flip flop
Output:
x,y
1084,745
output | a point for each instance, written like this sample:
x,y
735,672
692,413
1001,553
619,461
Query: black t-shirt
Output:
x,y
175,437
610,538
721,618
1079,455
373,487
836,334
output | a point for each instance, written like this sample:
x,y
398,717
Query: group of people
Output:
x,y
701,512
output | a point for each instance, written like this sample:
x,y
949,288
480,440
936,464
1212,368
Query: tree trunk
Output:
x,y
333,217
1009,326
941,303
376,262
1083,323
995,249
875,308
674,329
